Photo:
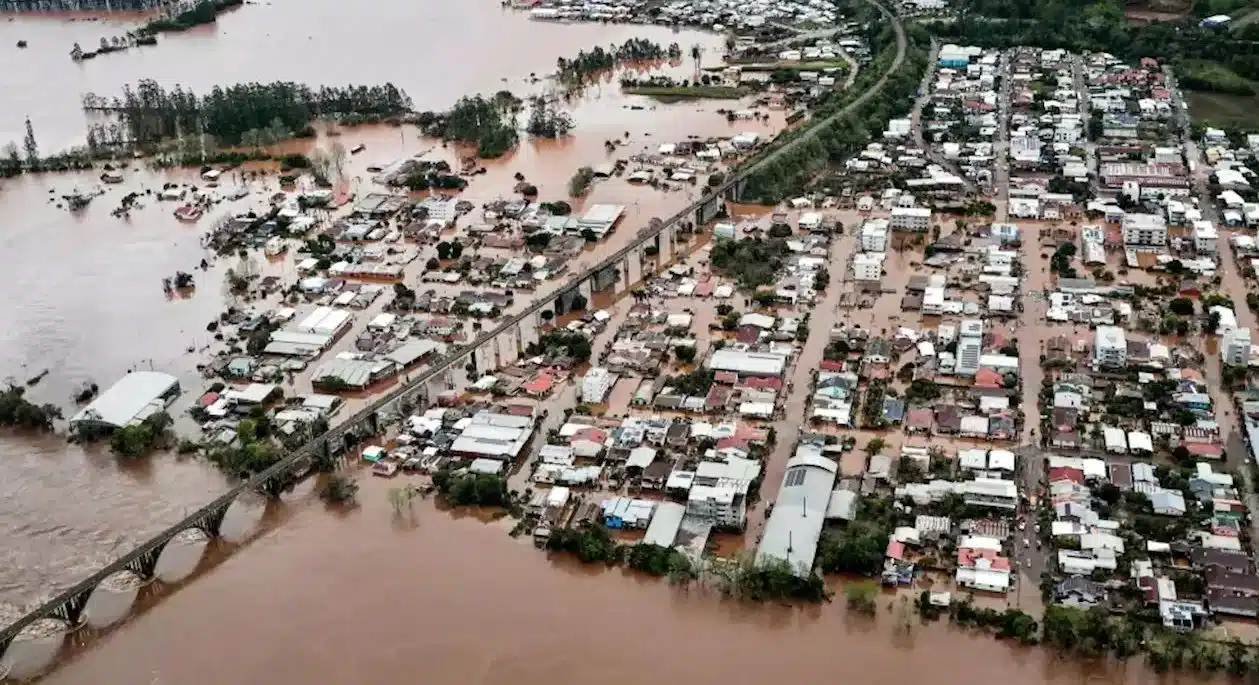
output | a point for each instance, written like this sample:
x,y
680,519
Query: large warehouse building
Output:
x,y
134,397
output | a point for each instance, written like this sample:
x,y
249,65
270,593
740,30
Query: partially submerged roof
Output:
x,y
134,397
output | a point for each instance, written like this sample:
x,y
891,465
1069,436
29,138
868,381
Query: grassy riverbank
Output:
x,y
669,93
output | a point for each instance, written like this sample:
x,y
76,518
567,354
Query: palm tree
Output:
x,y
697,54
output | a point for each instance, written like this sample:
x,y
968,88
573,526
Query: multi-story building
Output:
x,y
970,347
1110,346
720,489
1144,230
596,384
1205,238
1235,347
915,219
874,235
867,266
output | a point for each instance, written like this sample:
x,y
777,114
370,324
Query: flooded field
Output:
x,y
84,291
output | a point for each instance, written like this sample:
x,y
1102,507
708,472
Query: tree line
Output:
x,y
578,70
1100,26
836,141
148,114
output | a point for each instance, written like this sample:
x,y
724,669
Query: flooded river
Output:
x,y
370,597
361,596
83,292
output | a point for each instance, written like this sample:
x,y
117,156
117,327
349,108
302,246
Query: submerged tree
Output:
x,y
31,147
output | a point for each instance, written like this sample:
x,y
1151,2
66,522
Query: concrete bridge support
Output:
x,y
664,243
709,210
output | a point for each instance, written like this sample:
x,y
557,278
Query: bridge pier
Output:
x,y
664,246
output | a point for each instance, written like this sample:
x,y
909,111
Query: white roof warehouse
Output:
x,y
133,398
748,363
795,525
493,435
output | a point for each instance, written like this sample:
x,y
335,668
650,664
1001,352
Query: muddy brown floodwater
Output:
x,y
83,292
369,597
361,596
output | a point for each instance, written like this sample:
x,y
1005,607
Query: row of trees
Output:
x,y
577,70
1099,26
149,114
835,141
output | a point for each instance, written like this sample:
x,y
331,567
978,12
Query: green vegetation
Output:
x,y
578,70
243,114
204,12
1213,77
589,542
579,184
1011,624
461,488
339,489
18,412
141,438
1099,26
659,561
253,452
769,580
856,548
487,122
569,343
862,597
753,263
545,121
696,383
835,140
672,93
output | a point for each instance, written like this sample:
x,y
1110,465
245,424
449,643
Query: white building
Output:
x,y
867,266
916,219
1205,237
1144,230
596,384
1235,347
792,531
1110,346
874,235
970,347
720,489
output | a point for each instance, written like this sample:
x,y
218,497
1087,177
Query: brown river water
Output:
x,y
364,596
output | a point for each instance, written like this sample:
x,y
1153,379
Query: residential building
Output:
x,y
1144,230
970,345
874,235
914,219
596,384
1110,346
867,266
1205,238
719,491
1235,347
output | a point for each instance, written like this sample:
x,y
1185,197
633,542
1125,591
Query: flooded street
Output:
x,y
83,291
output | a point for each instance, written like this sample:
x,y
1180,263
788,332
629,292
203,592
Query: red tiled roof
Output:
x,y
767,383
540,384
966,558
1204,449
895,550
987,378
591,434
1063,473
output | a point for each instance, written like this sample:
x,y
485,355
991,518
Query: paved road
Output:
x,y
915,119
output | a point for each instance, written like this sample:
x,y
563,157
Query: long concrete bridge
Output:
x,y
94,605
